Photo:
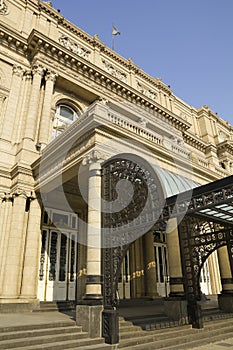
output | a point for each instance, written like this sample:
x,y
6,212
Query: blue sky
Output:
x,y
187,43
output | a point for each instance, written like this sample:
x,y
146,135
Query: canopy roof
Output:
x,y
214,201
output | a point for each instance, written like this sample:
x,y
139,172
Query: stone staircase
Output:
x,y
137,331
50,336
61,306
177,338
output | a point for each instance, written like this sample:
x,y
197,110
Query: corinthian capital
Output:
x,y
18,71
94,157
38,69
51,76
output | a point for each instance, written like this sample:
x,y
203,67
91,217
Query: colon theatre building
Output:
x,y
92,148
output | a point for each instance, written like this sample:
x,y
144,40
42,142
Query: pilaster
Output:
x,y
46,111
31,123
12,103
32,250
15,248
6,214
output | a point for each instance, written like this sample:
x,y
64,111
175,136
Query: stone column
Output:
x,y
150,266
31,123
175,304
174,260
12,103
89,310
46,112
32,251
93,282
15,249
225,270
225,299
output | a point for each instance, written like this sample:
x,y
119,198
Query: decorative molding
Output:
x,y
51,76
114,71
94,157
146,91
74,47
4,10
18,71
38,69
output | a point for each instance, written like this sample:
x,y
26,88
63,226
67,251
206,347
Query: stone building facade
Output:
x,y
69,104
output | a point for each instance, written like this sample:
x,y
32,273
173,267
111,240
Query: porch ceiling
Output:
x,y
213,201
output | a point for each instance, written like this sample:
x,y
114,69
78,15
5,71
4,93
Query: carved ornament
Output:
x,y
3,8
114,71
74,47
146,91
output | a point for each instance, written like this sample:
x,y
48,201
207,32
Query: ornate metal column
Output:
x,y
132,203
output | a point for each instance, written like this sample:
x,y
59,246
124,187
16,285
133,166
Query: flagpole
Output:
x,y
115,32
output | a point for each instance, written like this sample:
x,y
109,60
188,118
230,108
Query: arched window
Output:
x,y
64,116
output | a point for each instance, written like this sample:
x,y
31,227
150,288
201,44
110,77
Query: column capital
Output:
x,y
51,76
18,71
94,157
28,75
6,197
38,70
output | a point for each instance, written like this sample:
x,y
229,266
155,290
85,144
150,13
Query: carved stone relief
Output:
x,y
74,47
3,8
147,92
114,71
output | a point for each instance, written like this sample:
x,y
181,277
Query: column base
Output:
x,y
90,318
225,301
176,309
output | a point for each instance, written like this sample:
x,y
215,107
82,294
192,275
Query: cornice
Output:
x,y
225,146
40,44
205,109
194,141
13,40
96,42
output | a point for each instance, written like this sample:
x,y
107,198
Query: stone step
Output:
x,y
42,340
38,332
88,343
29,327
179,339
55,306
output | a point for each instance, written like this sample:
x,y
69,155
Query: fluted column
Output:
x,y
150,266
225,270
13,265
32,250
12,103
46,112
93,280
174,260
31,123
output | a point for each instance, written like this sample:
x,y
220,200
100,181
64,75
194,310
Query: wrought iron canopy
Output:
x,y
213,201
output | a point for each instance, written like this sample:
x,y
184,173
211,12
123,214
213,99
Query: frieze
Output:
x,y
114,71
3,8
74,47
146,91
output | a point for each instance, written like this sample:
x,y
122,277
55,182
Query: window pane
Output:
x,y
66,112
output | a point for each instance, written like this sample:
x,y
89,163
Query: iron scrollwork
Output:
x,y
123,223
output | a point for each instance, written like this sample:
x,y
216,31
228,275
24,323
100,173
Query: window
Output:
x,y
64,116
